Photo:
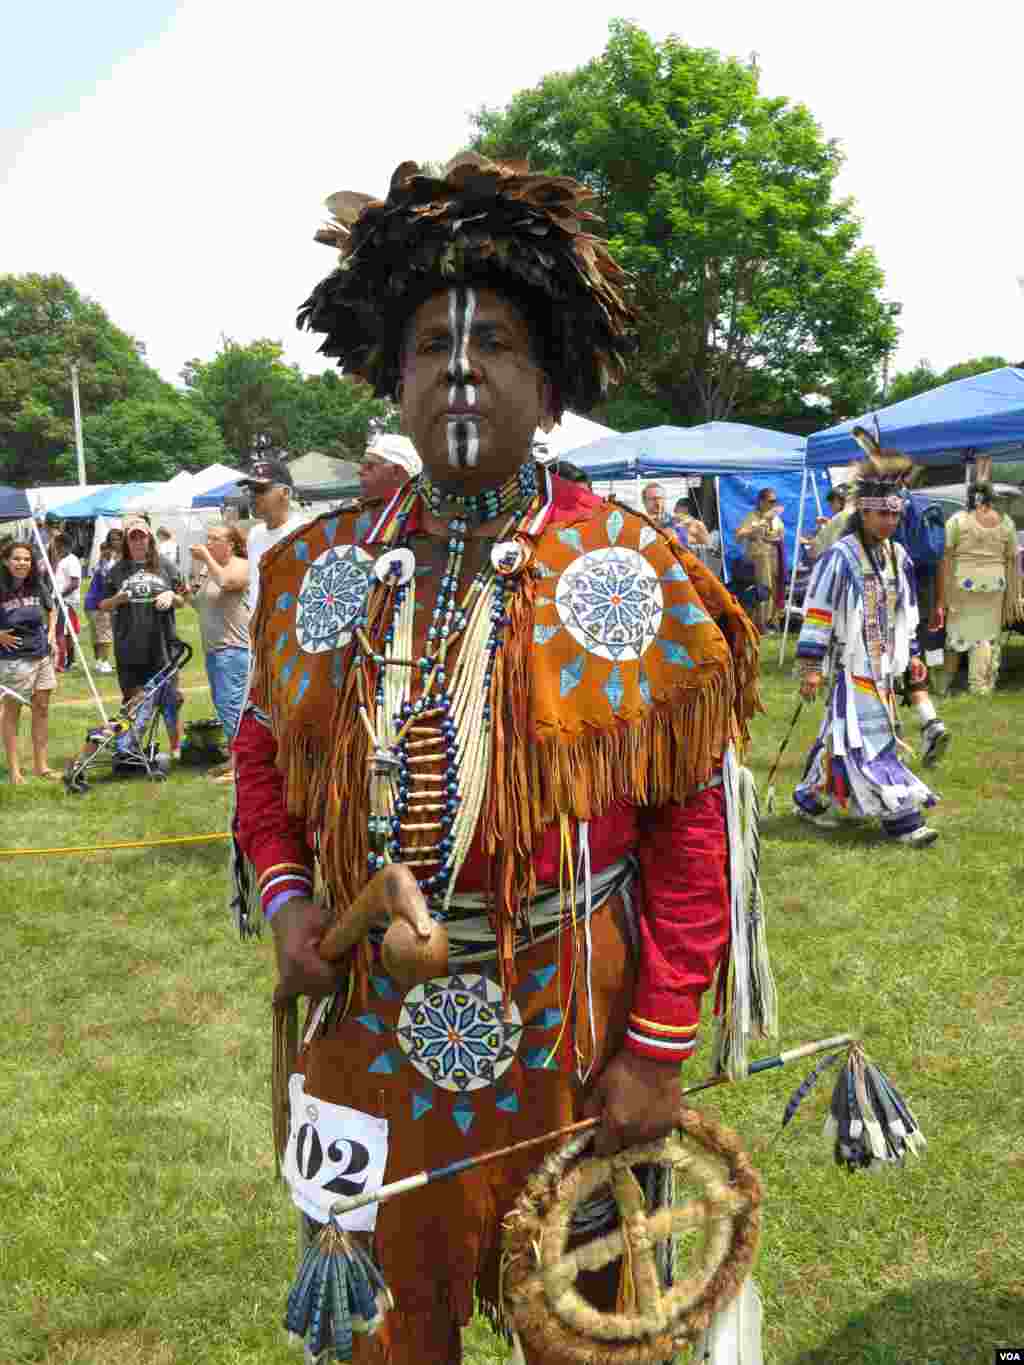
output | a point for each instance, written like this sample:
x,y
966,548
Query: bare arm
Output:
x,y
230,577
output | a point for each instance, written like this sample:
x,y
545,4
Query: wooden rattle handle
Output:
x,y
415,947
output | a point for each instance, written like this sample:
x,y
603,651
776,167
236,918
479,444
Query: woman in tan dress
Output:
x,y
760,533
978,588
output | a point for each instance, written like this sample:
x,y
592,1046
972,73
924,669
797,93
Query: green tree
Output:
x,y
333,415
259,402
923,377
750,275
250,393
147,439
45,324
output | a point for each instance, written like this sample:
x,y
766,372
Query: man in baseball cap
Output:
x,y
266,473
270,485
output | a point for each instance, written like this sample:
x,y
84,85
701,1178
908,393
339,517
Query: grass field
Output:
x,y
139,1219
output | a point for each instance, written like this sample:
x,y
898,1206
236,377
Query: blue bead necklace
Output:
x,y
426,819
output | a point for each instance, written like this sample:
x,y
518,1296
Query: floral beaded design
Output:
x,y
454,1032
332,598
610,602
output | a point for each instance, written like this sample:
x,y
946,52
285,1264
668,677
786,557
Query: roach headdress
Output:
x,y
880,475
483,223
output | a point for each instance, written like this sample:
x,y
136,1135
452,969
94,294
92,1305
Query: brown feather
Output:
x,y
886,466
866,441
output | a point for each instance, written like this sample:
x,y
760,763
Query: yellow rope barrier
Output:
x,y
101,848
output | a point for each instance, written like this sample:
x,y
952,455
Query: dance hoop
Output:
x,y
714,1231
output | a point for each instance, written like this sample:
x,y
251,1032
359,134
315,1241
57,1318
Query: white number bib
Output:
x,y
333,1151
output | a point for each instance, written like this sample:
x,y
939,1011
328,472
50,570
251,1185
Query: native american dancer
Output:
x,y
508,705
860,627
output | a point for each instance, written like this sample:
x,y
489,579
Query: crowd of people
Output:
x,y
136,588
965,601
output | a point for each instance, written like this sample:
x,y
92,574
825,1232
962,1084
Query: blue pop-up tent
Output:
x,y
107,502
712,448
738,493
216,497
981,415
14,505
722,448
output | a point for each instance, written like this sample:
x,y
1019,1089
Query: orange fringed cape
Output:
x,y
626,670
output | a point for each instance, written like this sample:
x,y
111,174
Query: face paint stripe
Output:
x,y
463,432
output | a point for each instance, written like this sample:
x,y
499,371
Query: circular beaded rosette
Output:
x,y
714,1235
332,597
610,601
454,1031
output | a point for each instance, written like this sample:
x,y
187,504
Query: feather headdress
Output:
x,y
485,223
881,474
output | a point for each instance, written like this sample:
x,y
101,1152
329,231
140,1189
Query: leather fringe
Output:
x,y
662,758
283,1061
507,827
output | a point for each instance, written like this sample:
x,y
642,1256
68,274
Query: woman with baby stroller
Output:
x,y
143,591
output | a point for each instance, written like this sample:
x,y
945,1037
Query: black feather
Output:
x,y
803,1089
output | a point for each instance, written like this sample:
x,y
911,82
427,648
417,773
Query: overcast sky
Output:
x,y
171,160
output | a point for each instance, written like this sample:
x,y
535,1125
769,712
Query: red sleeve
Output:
x,y
684,923
272,840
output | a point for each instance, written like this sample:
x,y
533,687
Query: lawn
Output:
x,y
140,1223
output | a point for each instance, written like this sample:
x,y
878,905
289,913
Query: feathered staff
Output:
x,y
870,1122
338,1291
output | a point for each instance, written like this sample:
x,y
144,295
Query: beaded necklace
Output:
x,y
450,719
477,508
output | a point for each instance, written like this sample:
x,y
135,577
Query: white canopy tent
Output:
x,y
569,434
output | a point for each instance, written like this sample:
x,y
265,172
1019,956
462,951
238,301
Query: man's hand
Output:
x,y
165,601
918,672
809,684
298,927
937,619
8,639
638,1101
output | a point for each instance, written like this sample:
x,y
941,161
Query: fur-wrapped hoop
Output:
x,y
654,1320
482,223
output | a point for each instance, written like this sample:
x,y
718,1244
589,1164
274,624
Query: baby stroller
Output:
x,y
127,743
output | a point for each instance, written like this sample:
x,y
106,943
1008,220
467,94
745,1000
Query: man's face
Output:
x,y
269,501
879,526
378,478
472,392
654,501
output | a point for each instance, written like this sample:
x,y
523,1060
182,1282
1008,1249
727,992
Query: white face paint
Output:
x,y
463,431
